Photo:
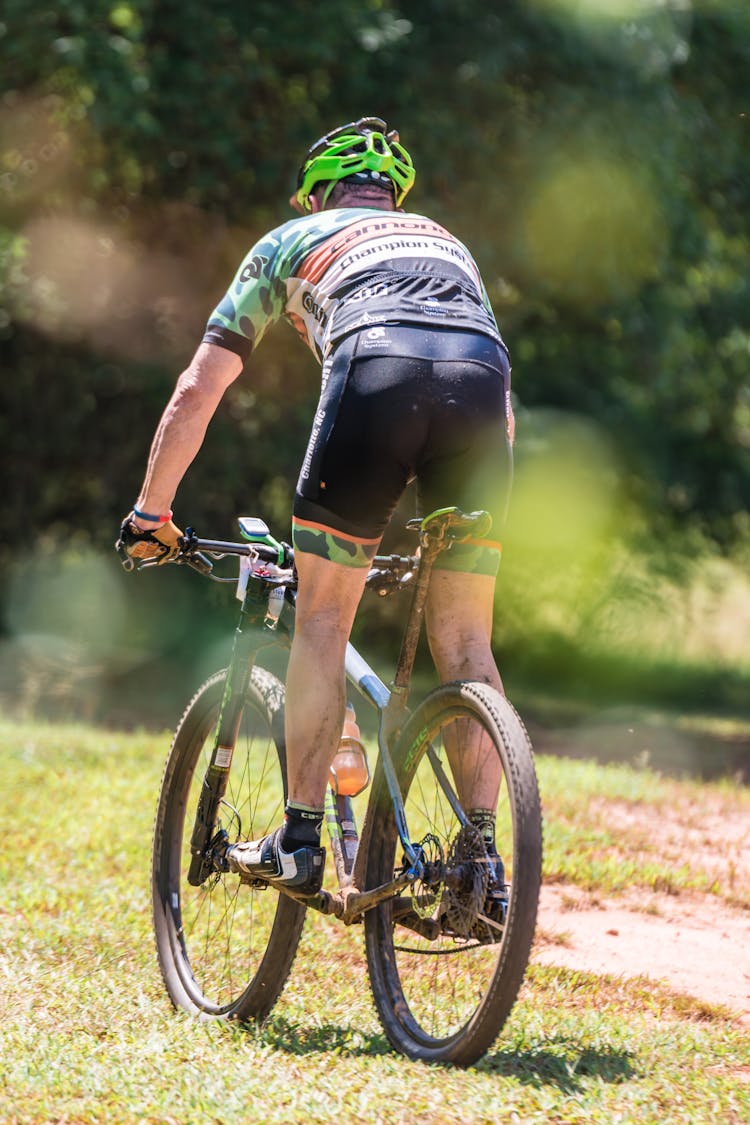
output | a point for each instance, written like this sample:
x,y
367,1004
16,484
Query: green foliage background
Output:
x,y
593,153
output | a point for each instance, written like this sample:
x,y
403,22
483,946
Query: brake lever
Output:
x,y
198,561
127,562
189,556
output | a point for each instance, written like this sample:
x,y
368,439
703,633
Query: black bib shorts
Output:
x,y
403,403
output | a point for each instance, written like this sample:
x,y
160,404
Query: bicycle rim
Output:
x,y
445,997
225,948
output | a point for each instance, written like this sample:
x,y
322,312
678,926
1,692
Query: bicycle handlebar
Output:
x,y
387,572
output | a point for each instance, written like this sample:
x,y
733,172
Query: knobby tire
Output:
x,y
445,999
225,949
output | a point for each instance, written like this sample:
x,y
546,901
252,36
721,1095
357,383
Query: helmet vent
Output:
x,y
364,146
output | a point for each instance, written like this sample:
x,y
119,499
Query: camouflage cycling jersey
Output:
x,y
338,271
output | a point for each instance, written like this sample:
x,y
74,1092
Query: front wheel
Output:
x,y
447,960
225,948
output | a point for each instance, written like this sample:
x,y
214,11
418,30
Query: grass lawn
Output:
x,y
87,1034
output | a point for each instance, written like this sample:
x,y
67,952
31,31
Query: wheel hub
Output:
x,y
427,891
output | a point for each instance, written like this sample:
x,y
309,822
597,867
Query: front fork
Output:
x,y
244,652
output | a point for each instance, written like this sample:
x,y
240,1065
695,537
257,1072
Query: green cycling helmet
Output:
x,y
364,151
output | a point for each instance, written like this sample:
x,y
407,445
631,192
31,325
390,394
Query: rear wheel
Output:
x,y
447,960
225,949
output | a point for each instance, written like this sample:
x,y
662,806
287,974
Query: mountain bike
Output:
x,y
448,917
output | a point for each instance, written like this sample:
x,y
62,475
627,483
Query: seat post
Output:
x,y
431,545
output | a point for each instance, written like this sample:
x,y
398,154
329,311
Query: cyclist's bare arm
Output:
x,y
183,424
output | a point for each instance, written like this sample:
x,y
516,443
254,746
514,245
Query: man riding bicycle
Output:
x,y
416,385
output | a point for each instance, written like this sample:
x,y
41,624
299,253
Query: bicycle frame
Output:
x,y
391,704
448,911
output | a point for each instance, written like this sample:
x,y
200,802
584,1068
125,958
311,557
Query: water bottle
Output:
x,y
275,606
350,772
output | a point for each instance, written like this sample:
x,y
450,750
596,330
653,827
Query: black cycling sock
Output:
x,y
302,826
484,820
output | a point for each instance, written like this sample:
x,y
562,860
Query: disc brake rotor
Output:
x,y
466,882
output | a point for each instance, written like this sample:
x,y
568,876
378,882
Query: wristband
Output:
x,y
152,519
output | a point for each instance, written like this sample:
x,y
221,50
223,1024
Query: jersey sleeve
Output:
x,y
254,301
486,301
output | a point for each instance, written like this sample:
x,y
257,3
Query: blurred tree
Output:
x,y
594,156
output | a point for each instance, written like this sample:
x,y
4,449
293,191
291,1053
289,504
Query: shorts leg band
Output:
x,y
475,556
326,543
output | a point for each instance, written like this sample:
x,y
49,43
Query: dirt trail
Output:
x,y
696,944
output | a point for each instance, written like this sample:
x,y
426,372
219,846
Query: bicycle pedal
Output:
x,y
255,884
215,857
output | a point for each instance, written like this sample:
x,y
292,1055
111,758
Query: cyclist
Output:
x,y
415,384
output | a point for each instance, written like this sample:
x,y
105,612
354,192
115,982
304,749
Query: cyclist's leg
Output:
x,y
468,462
356,467
329,593
459,626
327,599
